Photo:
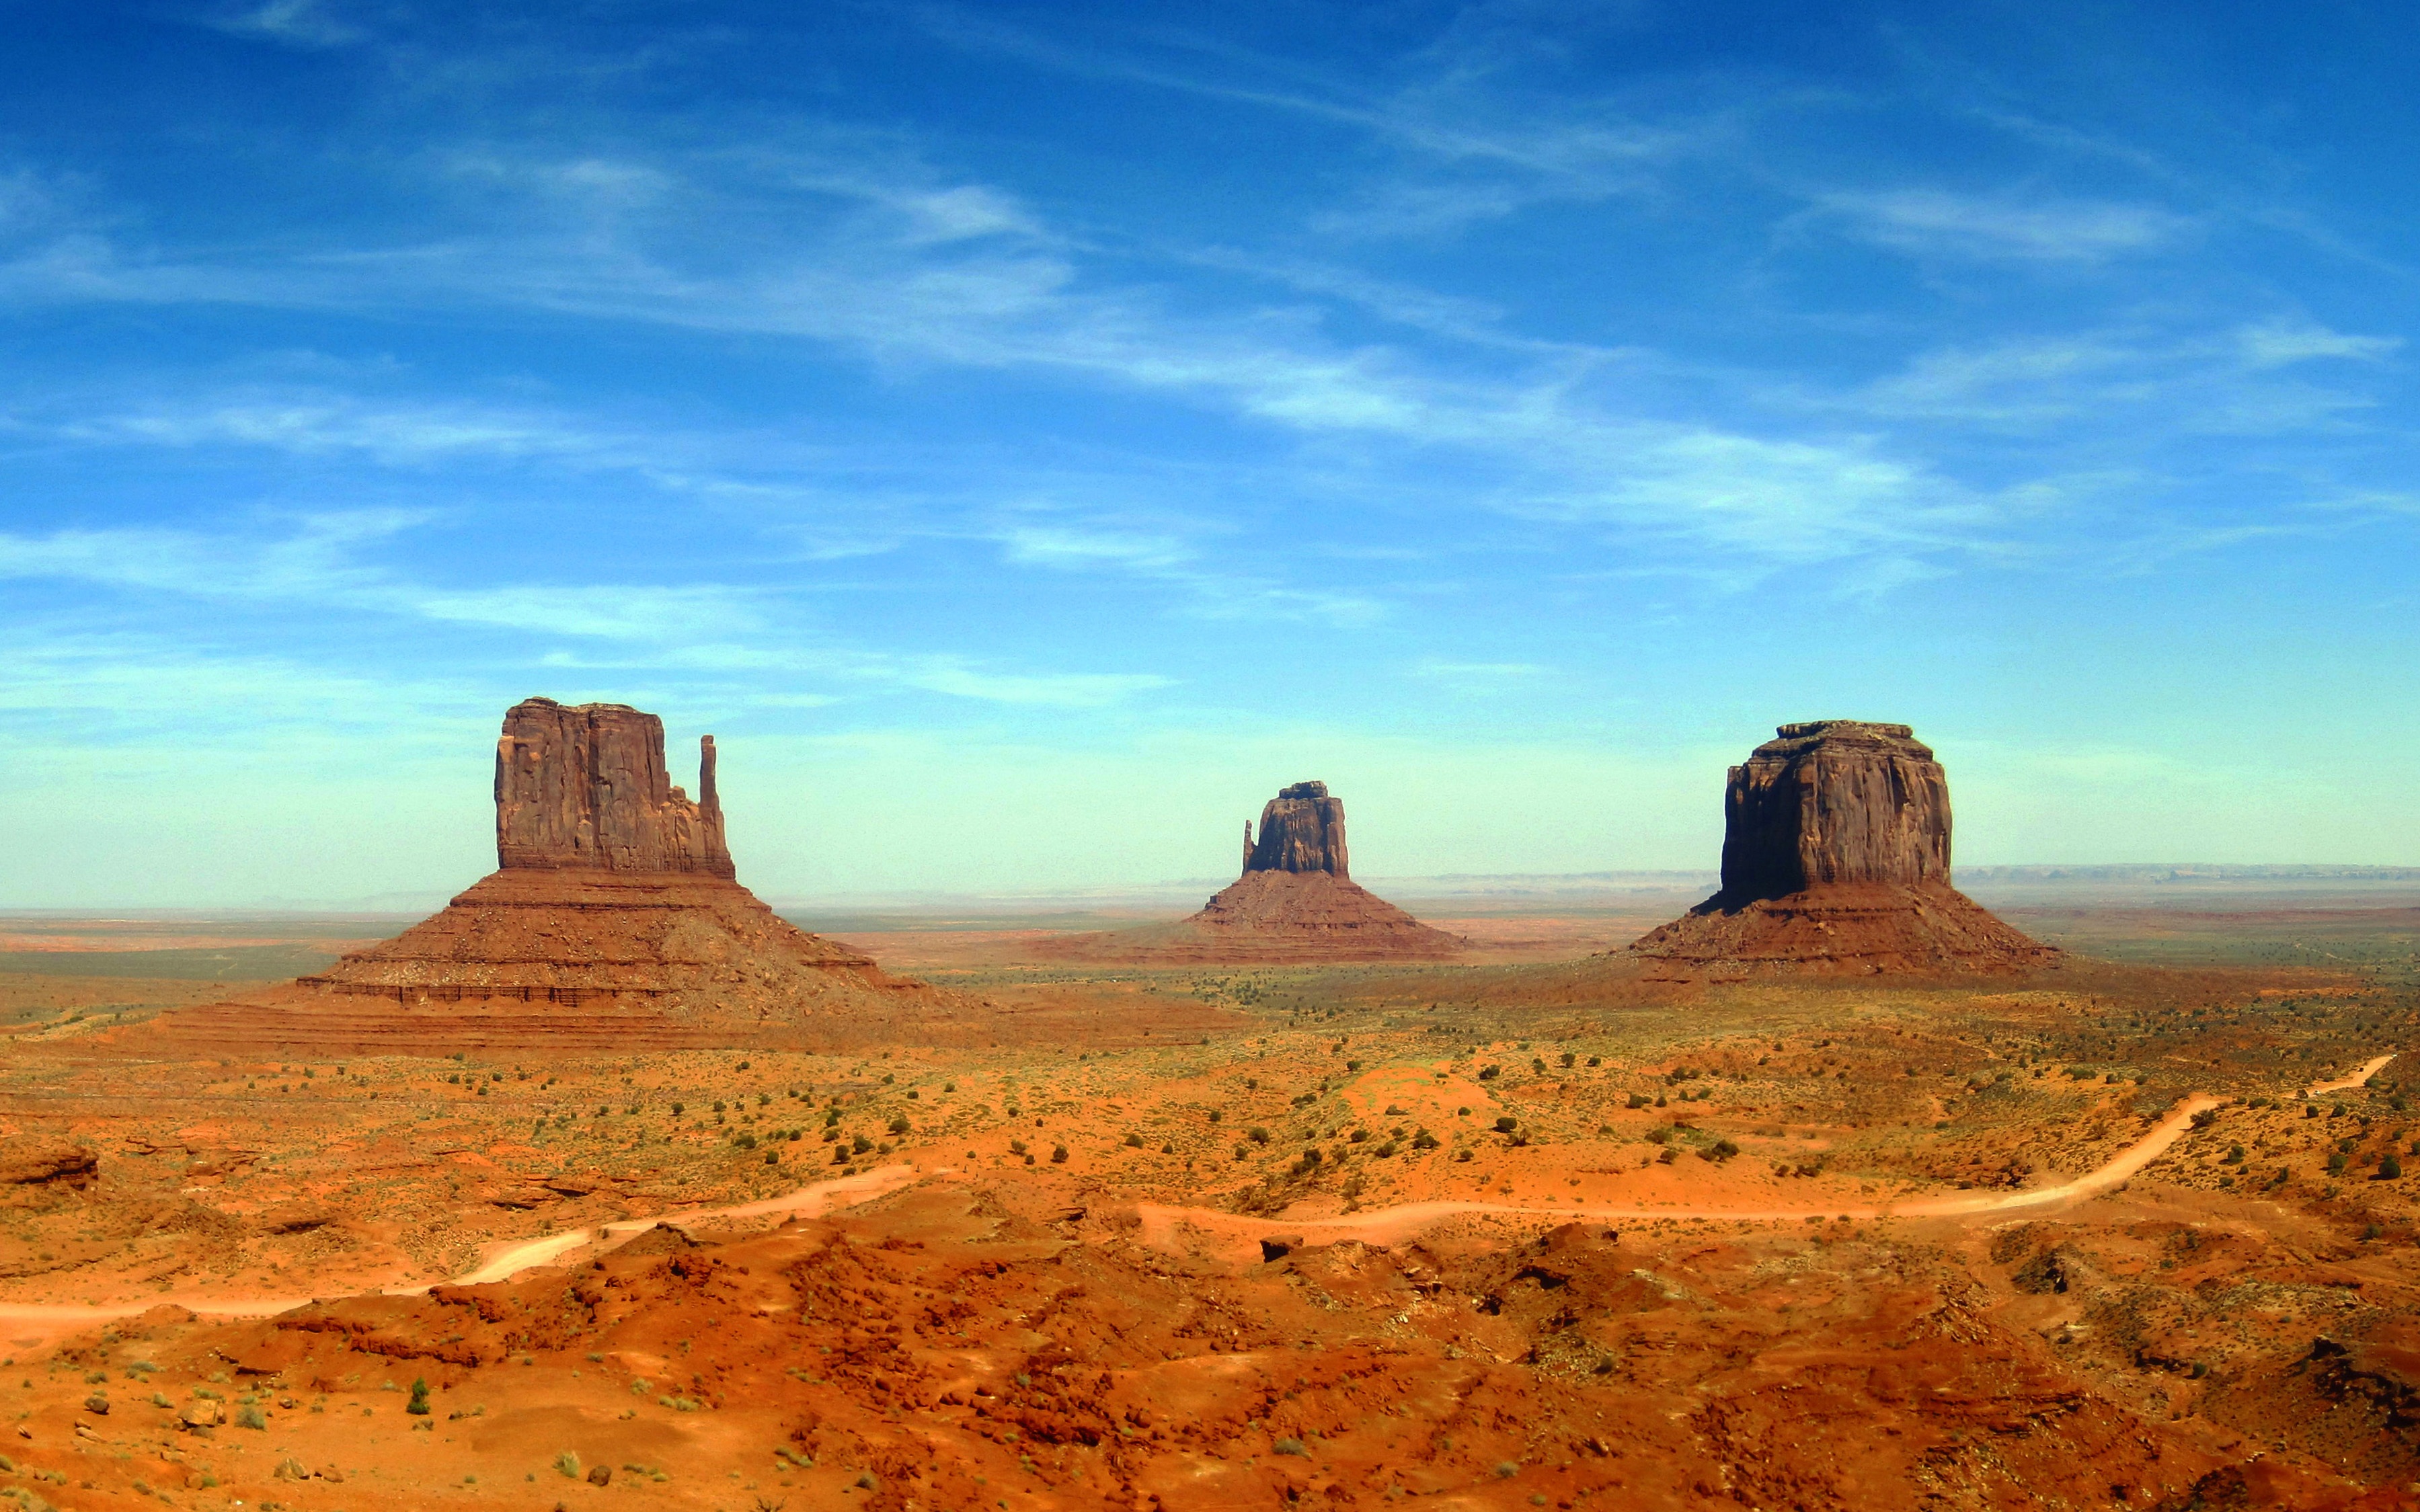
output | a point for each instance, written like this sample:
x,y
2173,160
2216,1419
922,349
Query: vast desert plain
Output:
x,y
1528,1229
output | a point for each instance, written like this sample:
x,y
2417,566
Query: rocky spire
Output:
x,y
584,787
1302,830
1834,800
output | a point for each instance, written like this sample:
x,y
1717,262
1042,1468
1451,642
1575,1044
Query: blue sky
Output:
x,y
1028,435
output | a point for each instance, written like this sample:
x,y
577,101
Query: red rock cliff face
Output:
x,y
1302,830
1831,801
584,787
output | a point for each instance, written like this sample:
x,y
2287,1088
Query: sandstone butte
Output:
x,y
614,916
1295,901
1836,860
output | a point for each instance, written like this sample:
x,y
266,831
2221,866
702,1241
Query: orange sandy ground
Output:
x,y
2234,1328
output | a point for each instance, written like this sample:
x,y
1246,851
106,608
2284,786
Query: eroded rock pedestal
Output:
x,y
1835,859
613,917
1294,903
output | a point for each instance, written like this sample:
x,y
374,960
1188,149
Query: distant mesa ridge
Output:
x,y
1835,859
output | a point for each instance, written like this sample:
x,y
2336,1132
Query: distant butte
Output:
x,y
613,918
1836,860
1295,903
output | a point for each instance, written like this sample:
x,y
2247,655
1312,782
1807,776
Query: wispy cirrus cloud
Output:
x,y
2047,230
304,23
697,627
2241,379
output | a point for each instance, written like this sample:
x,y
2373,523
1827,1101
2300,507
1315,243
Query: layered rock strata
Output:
x,y
1835,859
612,915
1294,903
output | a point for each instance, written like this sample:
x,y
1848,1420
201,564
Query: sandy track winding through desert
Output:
x,y
2348,1082
1161,1222
500,1265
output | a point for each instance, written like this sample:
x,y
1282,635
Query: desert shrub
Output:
x,y
860,1144
1385,1151
2337,1164
2389,1168
418,1405
1424,1140
1506,1470
1507,1124
744,1140
1291,1446
1596,1061
1017,1147
1659,1134
250,1416
899,1124
1721,1149
566,1464
1488,1073
1257,1135
1059,1155
1134,1141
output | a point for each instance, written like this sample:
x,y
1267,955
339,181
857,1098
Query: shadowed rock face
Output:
x,y
584,787
1302,830
1834,800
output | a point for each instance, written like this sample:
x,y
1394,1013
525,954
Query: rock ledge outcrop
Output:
x,y
613,917
1836,860
1294,903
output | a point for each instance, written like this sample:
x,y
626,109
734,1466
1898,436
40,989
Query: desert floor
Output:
x,y
1522,1231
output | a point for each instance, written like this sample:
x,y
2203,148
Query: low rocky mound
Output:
x,y
1294,903
612,916
1846,928
1836,860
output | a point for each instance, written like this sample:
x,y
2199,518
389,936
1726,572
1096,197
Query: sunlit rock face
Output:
x,y
1302,830
584,787
614,917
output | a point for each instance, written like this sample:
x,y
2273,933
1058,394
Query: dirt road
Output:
x,y
1162,1223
